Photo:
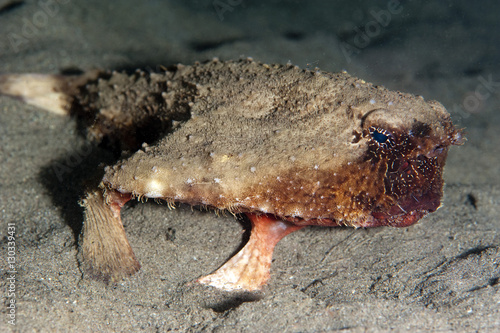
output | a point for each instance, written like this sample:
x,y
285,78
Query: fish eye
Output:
x,y
381,137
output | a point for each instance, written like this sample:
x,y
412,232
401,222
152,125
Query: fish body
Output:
x,y
285,146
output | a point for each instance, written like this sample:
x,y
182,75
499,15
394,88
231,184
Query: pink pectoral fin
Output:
x,y
248,270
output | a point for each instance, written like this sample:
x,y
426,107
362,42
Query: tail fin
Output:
x,y
53,93
43,91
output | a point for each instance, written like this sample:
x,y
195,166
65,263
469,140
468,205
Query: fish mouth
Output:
x,y
415,187
408,210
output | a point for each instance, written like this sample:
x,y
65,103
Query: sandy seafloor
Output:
x,y
442,274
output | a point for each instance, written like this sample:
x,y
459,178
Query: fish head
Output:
x,y
407,146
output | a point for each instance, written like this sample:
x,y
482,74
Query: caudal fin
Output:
x,y
41,90
50,92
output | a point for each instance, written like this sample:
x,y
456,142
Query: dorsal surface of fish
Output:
x,y
285,146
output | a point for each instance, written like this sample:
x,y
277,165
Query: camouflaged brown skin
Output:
x,y
124,110
248,137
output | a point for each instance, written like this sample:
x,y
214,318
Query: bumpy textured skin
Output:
x,y
288,147
125,110
278,140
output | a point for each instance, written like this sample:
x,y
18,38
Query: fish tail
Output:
x,y
51,92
